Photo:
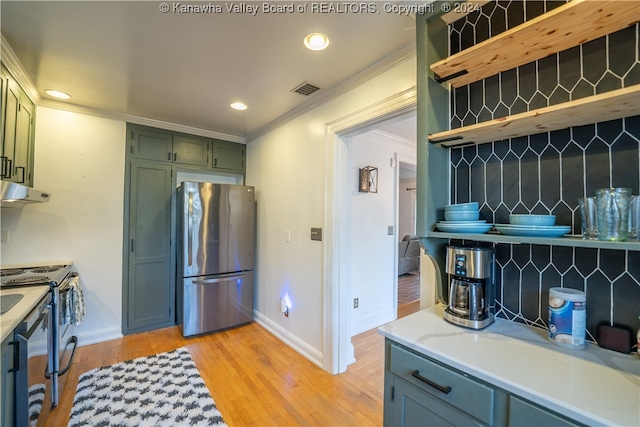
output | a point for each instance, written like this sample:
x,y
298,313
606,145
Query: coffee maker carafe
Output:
x,y
471,282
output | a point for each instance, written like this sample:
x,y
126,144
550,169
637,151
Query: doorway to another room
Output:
x,y
384,254
408,245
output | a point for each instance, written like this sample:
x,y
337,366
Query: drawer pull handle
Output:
x,y
442,388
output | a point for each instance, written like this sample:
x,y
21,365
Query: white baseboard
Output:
x,y
372,320
310,353
39,347
93,337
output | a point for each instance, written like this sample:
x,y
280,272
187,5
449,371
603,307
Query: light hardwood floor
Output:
x,y
255,379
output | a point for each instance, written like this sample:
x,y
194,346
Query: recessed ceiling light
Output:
x,y
57,94
316,41
238,106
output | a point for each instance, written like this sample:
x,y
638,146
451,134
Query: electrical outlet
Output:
x,y
389,230
356,303
4,236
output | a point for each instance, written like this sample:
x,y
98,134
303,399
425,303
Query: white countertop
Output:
x,y
593,386
11,319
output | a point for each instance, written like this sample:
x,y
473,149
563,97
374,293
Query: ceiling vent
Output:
x,y
306,89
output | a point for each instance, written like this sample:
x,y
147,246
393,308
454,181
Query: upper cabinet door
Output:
x,y
24,137
191,150
150,144
10,129
17,132
228,155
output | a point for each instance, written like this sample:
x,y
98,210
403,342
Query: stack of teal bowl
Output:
x,y
463,218
533,226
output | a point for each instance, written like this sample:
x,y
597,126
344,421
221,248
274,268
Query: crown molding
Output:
x,y
14,66
405,53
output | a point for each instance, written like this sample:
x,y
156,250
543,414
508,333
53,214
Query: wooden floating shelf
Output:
x,y
570,25
611,105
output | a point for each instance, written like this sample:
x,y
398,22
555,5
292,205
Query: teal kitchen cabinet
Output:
x,y
164,146
149,297
18,132
191,150
420,391
150,144
8,382
228,156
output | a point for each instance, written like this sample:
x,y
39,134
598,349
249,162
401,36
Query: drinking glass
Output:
x,y
612,213
588,218
634,219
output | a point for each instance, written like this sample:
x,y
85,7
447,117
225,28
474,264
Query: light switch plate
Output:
x,y
316,234
4,236
390,230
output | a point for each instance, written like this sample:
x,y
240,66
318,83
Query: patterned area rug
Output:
x,y
161,390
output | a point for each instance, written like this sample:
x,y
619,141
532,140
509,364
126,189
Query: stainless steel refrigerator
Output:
x,y
216,256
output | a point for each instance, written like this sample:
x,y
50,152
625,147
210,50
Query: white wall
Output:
x,y
287,168
373,252
79,159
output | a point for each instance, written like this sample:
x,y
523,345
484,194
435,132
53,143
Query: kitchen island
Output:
x,y
512,365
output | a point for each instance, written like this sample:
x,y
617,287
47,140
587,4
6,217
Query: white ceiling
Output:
x,y
129,57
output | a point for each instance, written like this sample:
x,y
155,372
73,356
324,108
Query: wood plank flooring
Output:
x,y
254,378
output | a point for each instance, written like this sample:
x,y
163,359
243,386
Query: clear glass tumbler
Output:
x,y
634,220
588,217
613,213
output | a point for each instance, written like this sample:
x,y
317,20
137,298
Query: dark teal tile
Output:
x,y
594,56
623,50
625,169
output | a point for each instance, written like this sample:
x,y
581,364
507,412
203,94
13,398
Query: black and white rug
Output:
x,y
161,390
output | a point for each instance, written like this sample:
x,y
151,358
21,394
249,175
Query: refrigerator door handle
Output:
x,y
221,279
189,233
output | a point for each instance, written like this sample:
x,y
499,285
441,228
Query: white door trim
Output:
x,y
336,289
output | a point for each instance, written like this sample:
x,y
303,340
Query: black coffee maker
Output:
x,y
471,284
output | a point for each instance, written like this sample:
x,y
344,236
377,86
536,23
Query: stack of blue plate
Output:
x,y
533,226
463,218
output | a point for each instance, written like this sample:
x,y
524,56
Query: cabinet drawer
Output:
x,y
465,394
525,414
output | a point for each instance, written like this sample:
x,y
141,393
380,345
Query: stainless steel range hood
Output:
x,y
17,195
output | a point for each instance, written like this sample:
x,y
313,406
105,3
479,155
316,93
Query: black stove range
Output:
x,y
51,275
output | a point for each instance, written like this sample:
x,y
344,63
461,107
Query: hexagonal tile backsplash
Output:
x,y
547,173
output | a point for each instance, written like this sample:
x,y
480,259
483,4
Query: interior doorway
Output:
x,y
338,303
377,256
408,277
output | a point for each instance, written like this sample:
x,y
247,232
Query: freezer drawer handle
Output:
x,y
189,236
444,389
222,279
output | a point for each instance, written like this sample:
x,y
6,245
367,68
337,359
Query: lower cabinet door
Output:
x,y
412,407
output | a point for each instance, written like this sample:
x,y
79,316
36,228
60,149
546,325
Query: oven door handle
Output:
x,y
74,340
